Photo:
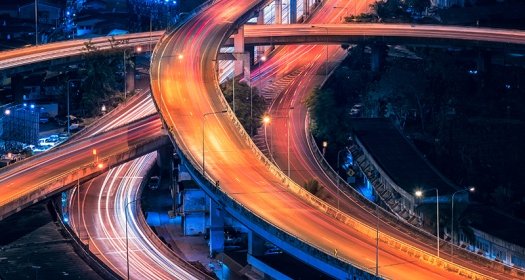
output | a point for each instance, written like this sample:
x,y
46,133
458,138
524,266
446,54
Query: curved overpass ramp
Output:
x,y
185,90
218,143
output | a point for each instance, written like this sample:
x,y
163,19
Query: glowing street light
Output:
x,y
470,189
419,193
325,144
180,56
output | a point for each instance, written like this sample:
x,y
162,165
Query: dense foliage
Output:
x,y
243,104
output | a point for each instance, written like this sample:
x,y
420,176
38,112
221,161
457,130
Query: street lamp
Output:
x,y
326,46
470,189
203,122
288,137
125,78
419,193
325,144
127,243
36,22
338,175
263,59
267,120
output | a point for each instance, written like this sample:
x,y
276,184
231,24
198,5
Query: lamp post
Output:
x,y
470,189
338,175
266,121
36,22
68,83
125,78
288,139
263,59
233,91
377,235
419,193
203,122
68,116
326,47
325,144
127,242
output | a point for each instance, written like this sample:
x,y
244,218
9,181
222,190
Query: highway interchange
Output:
x,y
233,155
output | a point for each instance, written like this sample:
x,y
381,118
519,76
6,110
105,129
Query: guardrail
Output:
x,y
101,268
321,254
394,221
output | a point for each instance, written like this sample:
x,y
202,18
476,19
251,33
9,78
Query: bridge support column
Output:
x,y
167,178
278,11
483,62
259,49
17,87
377,57
216,228
238,50
255,244
306,9
293,11
130,80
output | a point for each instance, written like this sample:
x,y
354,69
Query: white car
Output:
x,y
46,142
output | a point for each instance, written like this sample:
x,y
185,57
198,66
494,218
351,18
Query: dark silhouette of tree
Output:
x,y
242,104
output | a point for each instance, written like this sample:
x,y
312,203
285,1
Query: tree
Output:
x,y
100,82
243,104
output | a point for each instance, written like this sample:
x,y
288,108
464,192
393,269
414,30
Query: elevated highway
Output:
x,y
41,176
251,188
207,124
14,61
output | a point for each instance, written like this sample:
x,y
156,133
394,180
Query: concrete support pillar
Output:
x,y
483,61
293,11
252,51
238,49
216,228
260,16
259,49
278,11
377,57
306,9
17,86
255,244
130,80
